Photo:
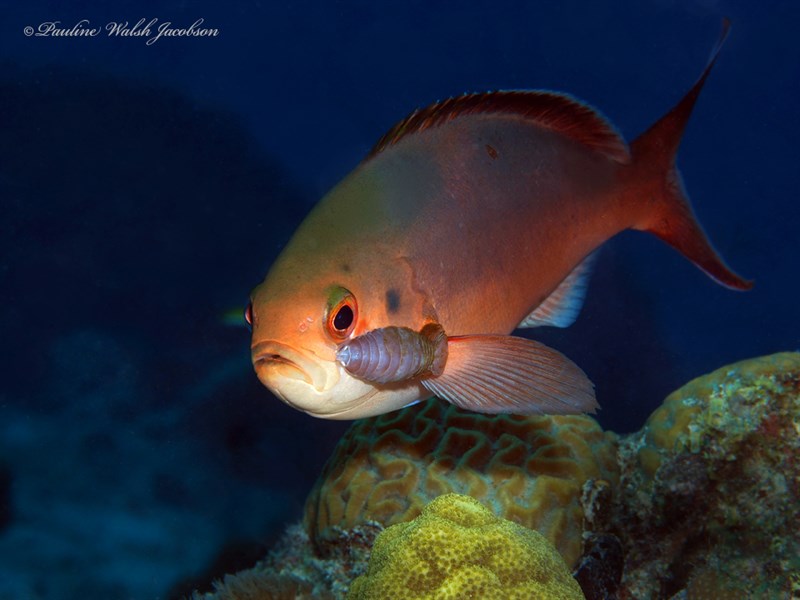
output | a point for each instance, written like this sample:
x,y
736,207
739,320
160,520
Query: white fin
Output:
x,y
562,307
507,374
413,402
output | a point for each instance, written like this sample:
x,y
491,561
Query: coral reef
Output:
x,y
260,584
714,479
599,570
529,470
703,506
456,548
292,570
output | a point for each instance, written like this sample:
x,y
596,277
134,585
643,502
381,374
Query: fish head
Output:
x,y
298,324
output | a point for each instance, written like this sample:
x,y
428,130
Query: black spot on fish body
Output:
x,y
392,300
345,268
491,151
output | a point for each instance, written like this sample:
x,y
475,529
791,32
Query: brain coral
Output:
x,y
458,549
529,470
714,476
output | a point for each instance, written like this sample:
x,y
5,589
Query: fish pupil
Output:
x,y
343,318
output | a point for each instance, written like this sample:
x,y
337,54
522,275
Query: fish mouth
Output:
x,y
271,359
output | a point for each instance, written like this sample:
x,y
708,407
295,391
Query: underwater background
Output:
x,y
145,188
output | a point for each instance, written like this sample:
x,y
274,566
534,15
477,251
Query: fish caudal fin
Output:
x,y
670,216
507,374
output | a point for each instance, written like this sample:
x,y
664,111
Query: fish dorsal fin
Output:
x,y
561,308
551,110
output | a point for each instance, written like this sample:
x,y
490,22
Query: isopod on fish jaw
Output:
x,y
393,354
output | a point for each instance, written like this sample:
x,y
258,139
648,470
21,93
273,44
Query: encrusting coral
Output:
x,y
456,548
714,479
529,470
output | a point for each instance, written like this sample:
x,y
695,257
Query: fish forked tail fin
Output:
x,y
670,217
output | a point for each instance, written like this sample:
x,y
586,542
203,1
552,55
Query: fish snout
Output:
x,y
274,361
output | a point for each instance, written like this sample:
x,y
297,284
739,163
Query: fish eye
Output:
x,y
344,318
341,314
248,315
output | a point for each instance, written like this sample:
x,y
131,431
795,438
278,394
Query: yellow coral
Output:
x,y
529,470
456,549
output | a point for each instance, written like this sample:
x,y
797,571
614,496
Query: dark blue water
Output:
x,y
145,189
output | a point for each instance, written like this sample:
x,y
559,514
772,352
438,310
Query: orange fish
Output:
x,y
468,219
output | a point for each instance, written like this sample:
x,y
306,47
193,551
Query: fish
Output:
x,y
470,218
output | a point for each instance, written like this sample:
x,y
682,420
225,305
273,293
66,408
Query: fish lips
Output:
x,y
274,361
307,382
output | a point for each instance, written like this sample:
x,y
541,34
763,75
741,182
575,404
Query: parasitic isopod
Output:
x,y
392,354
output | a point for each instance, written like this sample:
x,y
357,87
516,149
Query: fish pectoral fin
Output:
x,y
507,374
562,307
